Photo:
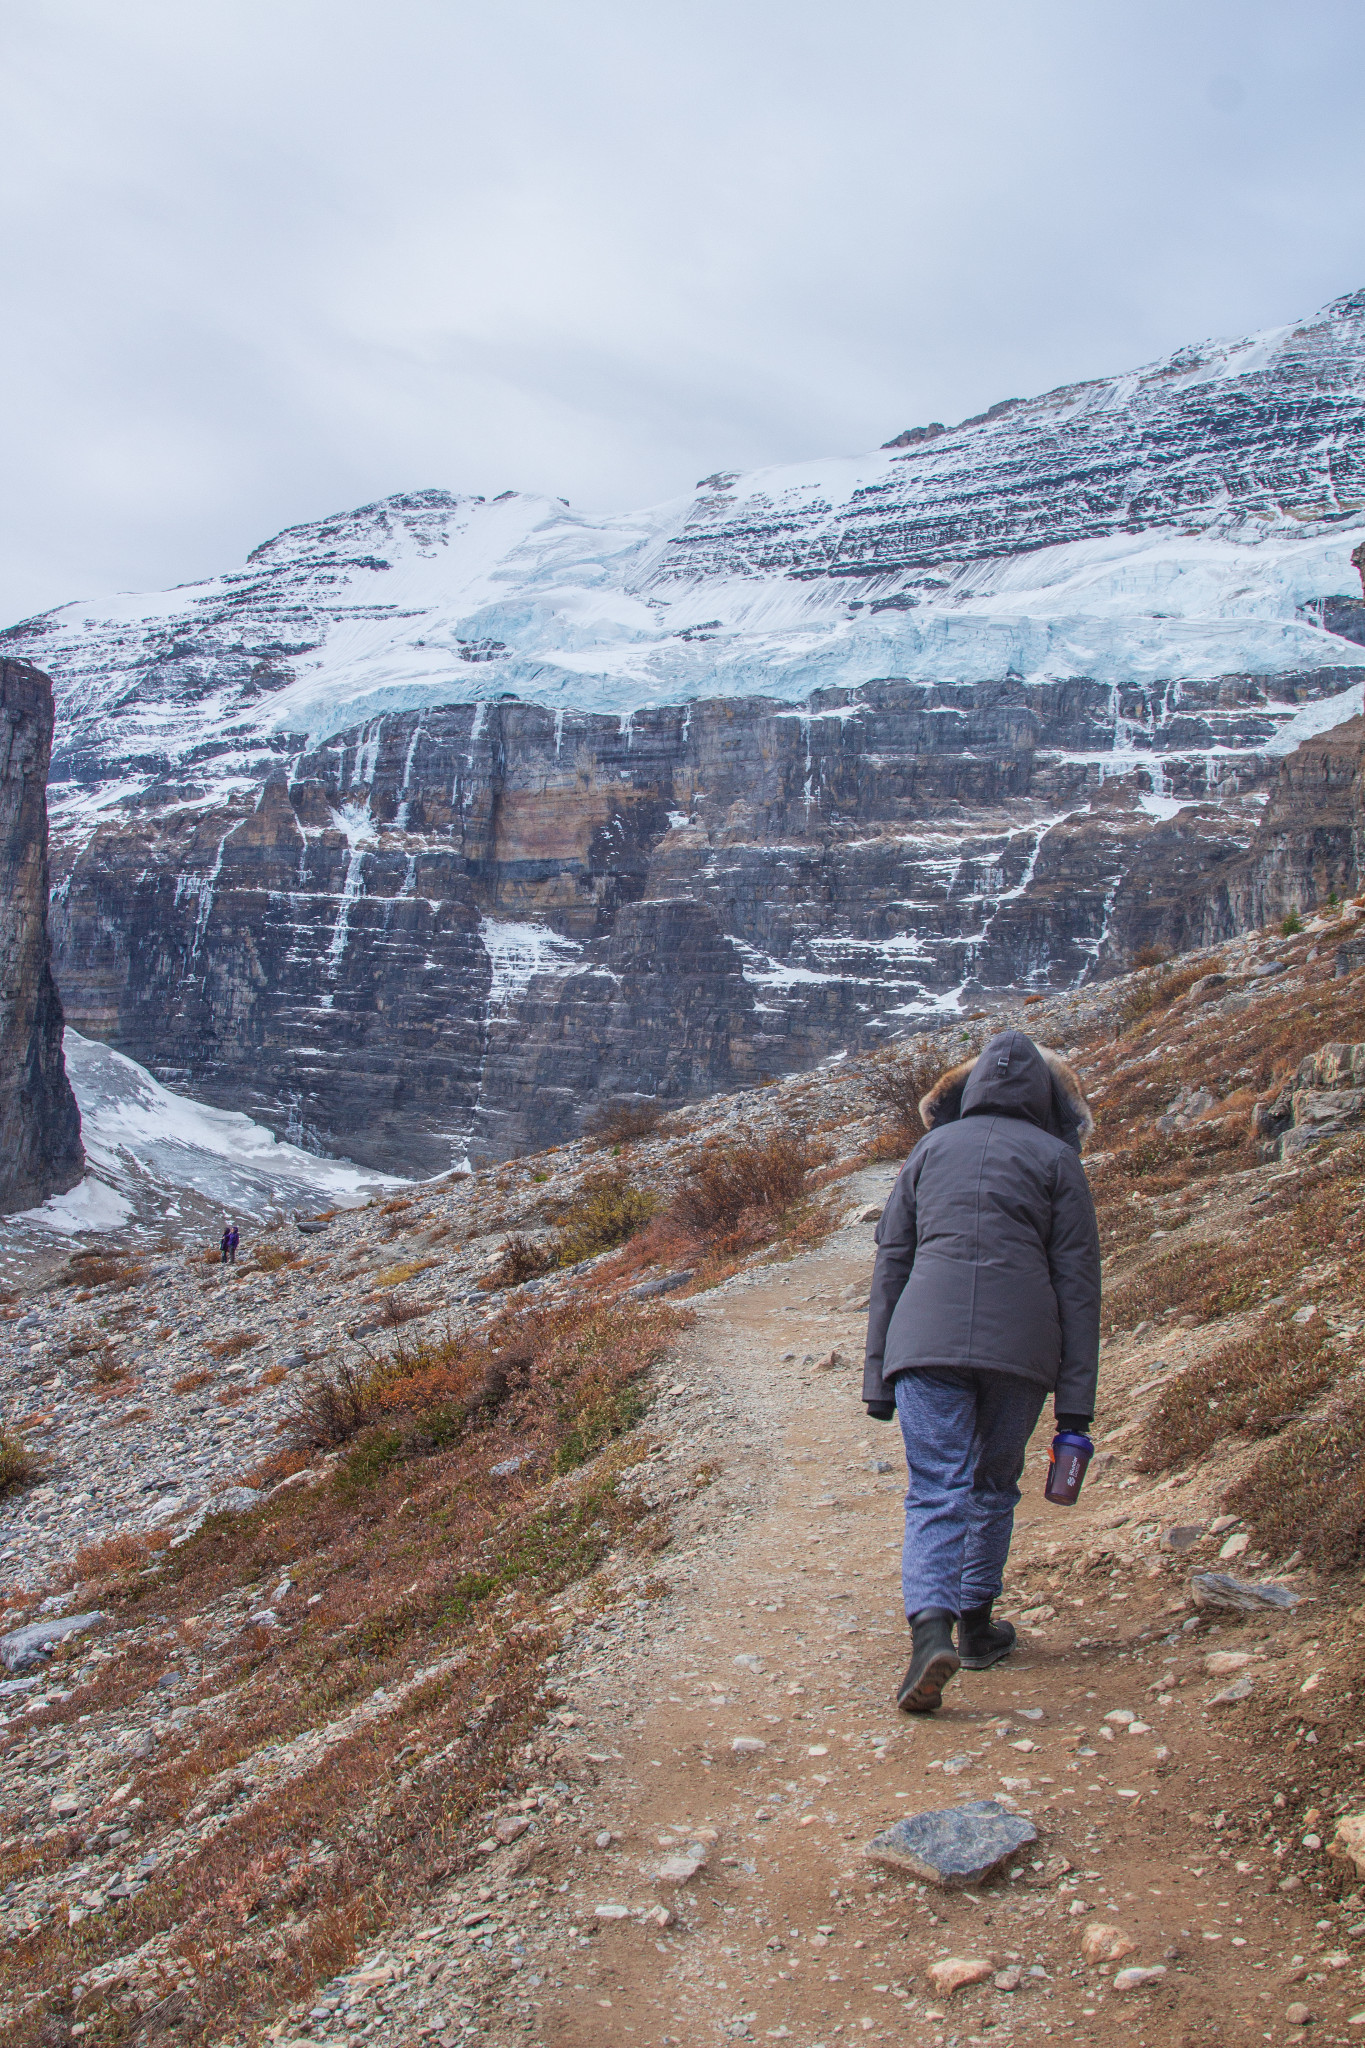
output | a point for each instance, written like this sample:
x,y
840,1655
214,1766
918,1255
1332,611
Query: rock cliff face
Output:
x,y
40,1126
478,924
441,822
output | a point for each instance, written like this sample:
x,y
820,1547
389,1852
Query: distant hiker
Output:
x,y
225,1244
985,1298
234,1239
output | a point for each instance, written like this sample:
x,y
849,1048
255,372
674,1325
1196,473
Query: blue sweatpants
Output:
x,y
966,1432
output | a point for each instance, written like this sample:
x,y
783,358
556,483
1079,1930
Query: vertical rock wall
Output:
x,y
40,1125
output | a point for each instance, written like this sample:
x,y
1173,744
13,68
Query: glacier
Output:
x,y
1182,521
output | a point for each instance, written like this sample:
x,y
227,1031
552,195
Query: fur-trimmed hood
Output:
x,y
1013,1077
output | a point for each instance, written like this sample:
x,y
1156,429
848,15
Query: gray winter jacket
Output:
x,y
988,1252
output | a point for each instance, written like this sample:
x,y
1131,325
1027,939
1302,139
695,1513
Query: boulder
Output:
x,y
26,1649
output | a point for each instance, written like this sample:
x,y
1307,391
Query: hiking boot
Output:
x,y
932,1663
982,1642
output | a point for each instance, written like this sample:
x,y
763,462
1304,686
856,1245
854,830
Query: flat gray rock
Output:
x,y
954,1846
25,1649
647,1289
1242,1596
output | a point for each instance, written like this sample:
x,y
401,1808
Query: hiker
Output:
x,y
225,1244
985,1299
234,1239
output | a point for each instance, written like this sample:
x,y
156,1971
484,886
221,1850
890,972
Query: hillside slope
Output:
x,y
550,1698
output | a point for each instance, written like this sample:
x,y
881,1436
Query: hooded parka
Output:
x,y
988,1252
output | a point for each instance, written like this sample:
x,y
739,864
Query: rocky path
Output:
x,y
689,1867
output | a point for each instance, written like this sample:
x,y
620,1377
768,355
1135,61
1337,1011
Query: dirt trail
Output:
x,y
782,1627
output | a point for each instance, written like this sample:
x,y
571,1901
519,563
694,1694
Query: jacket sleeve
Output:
x,y
895,1257
1073,1254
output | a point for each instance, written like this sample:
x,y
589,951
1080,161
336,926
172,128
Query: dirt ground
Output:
x,y
782,1629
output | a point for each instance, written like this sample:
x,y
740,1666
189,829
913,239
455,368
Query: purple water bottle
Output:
x,y
1066,1462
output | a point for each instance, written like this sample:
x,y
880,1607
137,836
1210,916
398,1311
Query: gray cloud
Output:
x,y
270,259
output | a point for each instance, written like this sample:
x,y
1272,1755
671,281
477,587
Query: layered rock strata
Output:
x,y
477,924
40,1126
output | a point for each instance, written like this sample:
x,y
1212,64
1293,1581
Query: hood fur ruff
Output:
x,y
1072,1118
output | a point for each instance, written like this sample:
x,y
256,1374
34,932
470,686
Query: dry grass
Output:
x,y
273,1258
20,1466
564,1377
192,1382
395,1276
421,1558
1308,1492
396,1206
607,1210
233,1346
1257,1385
1160,988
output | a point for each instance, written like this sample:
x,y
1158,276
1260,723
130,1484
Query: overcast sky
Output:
x,y
266,259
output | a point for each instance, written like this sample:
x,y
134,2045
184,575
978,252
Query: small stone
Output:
x,y
1298,2014
872,1214
954,1973
1222,1663
1120,1716
682,1869
1008,1979
1103,1944
1312,1841
830,1361
658,1916
511,1827
955,1845
1139,1728
1184,1536
602,1839
1235,1545
611,1912
1240,1689
1134,1979
748,1745
65,1806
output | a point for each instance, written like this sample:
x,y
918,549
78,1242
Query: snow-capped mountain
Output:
x,y
441,818
1179,522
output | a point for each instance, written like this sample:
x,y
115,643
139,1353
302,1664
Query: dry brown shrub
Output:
x,y
897,1089
233,1346
742,1189
192,1382
1257,1384
272,1258
521,1259
20,1466
1151,956
624,1123
111,1555
114,1270
1308,1491
396,1206
107,1371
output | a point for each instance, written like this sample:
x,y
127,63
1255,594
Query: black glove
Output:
x,y
1080,1423
881,1411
